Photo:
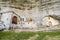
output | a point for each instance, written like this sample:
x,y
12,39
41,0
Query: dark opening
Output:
x,y
14,20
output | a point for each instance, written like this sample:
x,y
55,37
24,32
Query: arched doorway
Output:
x,y
14,20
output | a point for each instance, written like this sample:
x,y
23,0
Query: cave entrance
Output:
x,y
14,20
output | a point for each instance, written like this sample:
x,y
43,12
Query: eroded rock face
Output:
x,y
33,9
49,21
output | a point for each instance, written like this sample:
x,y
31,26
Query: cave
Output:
x,y
14,20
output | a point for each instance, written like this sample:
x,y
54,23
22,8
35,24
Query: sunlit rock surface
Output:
x,y
50,21
30,14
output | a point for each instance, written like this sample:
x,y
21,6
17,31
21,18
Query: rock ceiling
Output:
x,y
27,4
21,4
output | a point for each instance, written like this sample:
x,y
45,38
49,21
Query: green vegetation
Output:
x,y
15,36
27,35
